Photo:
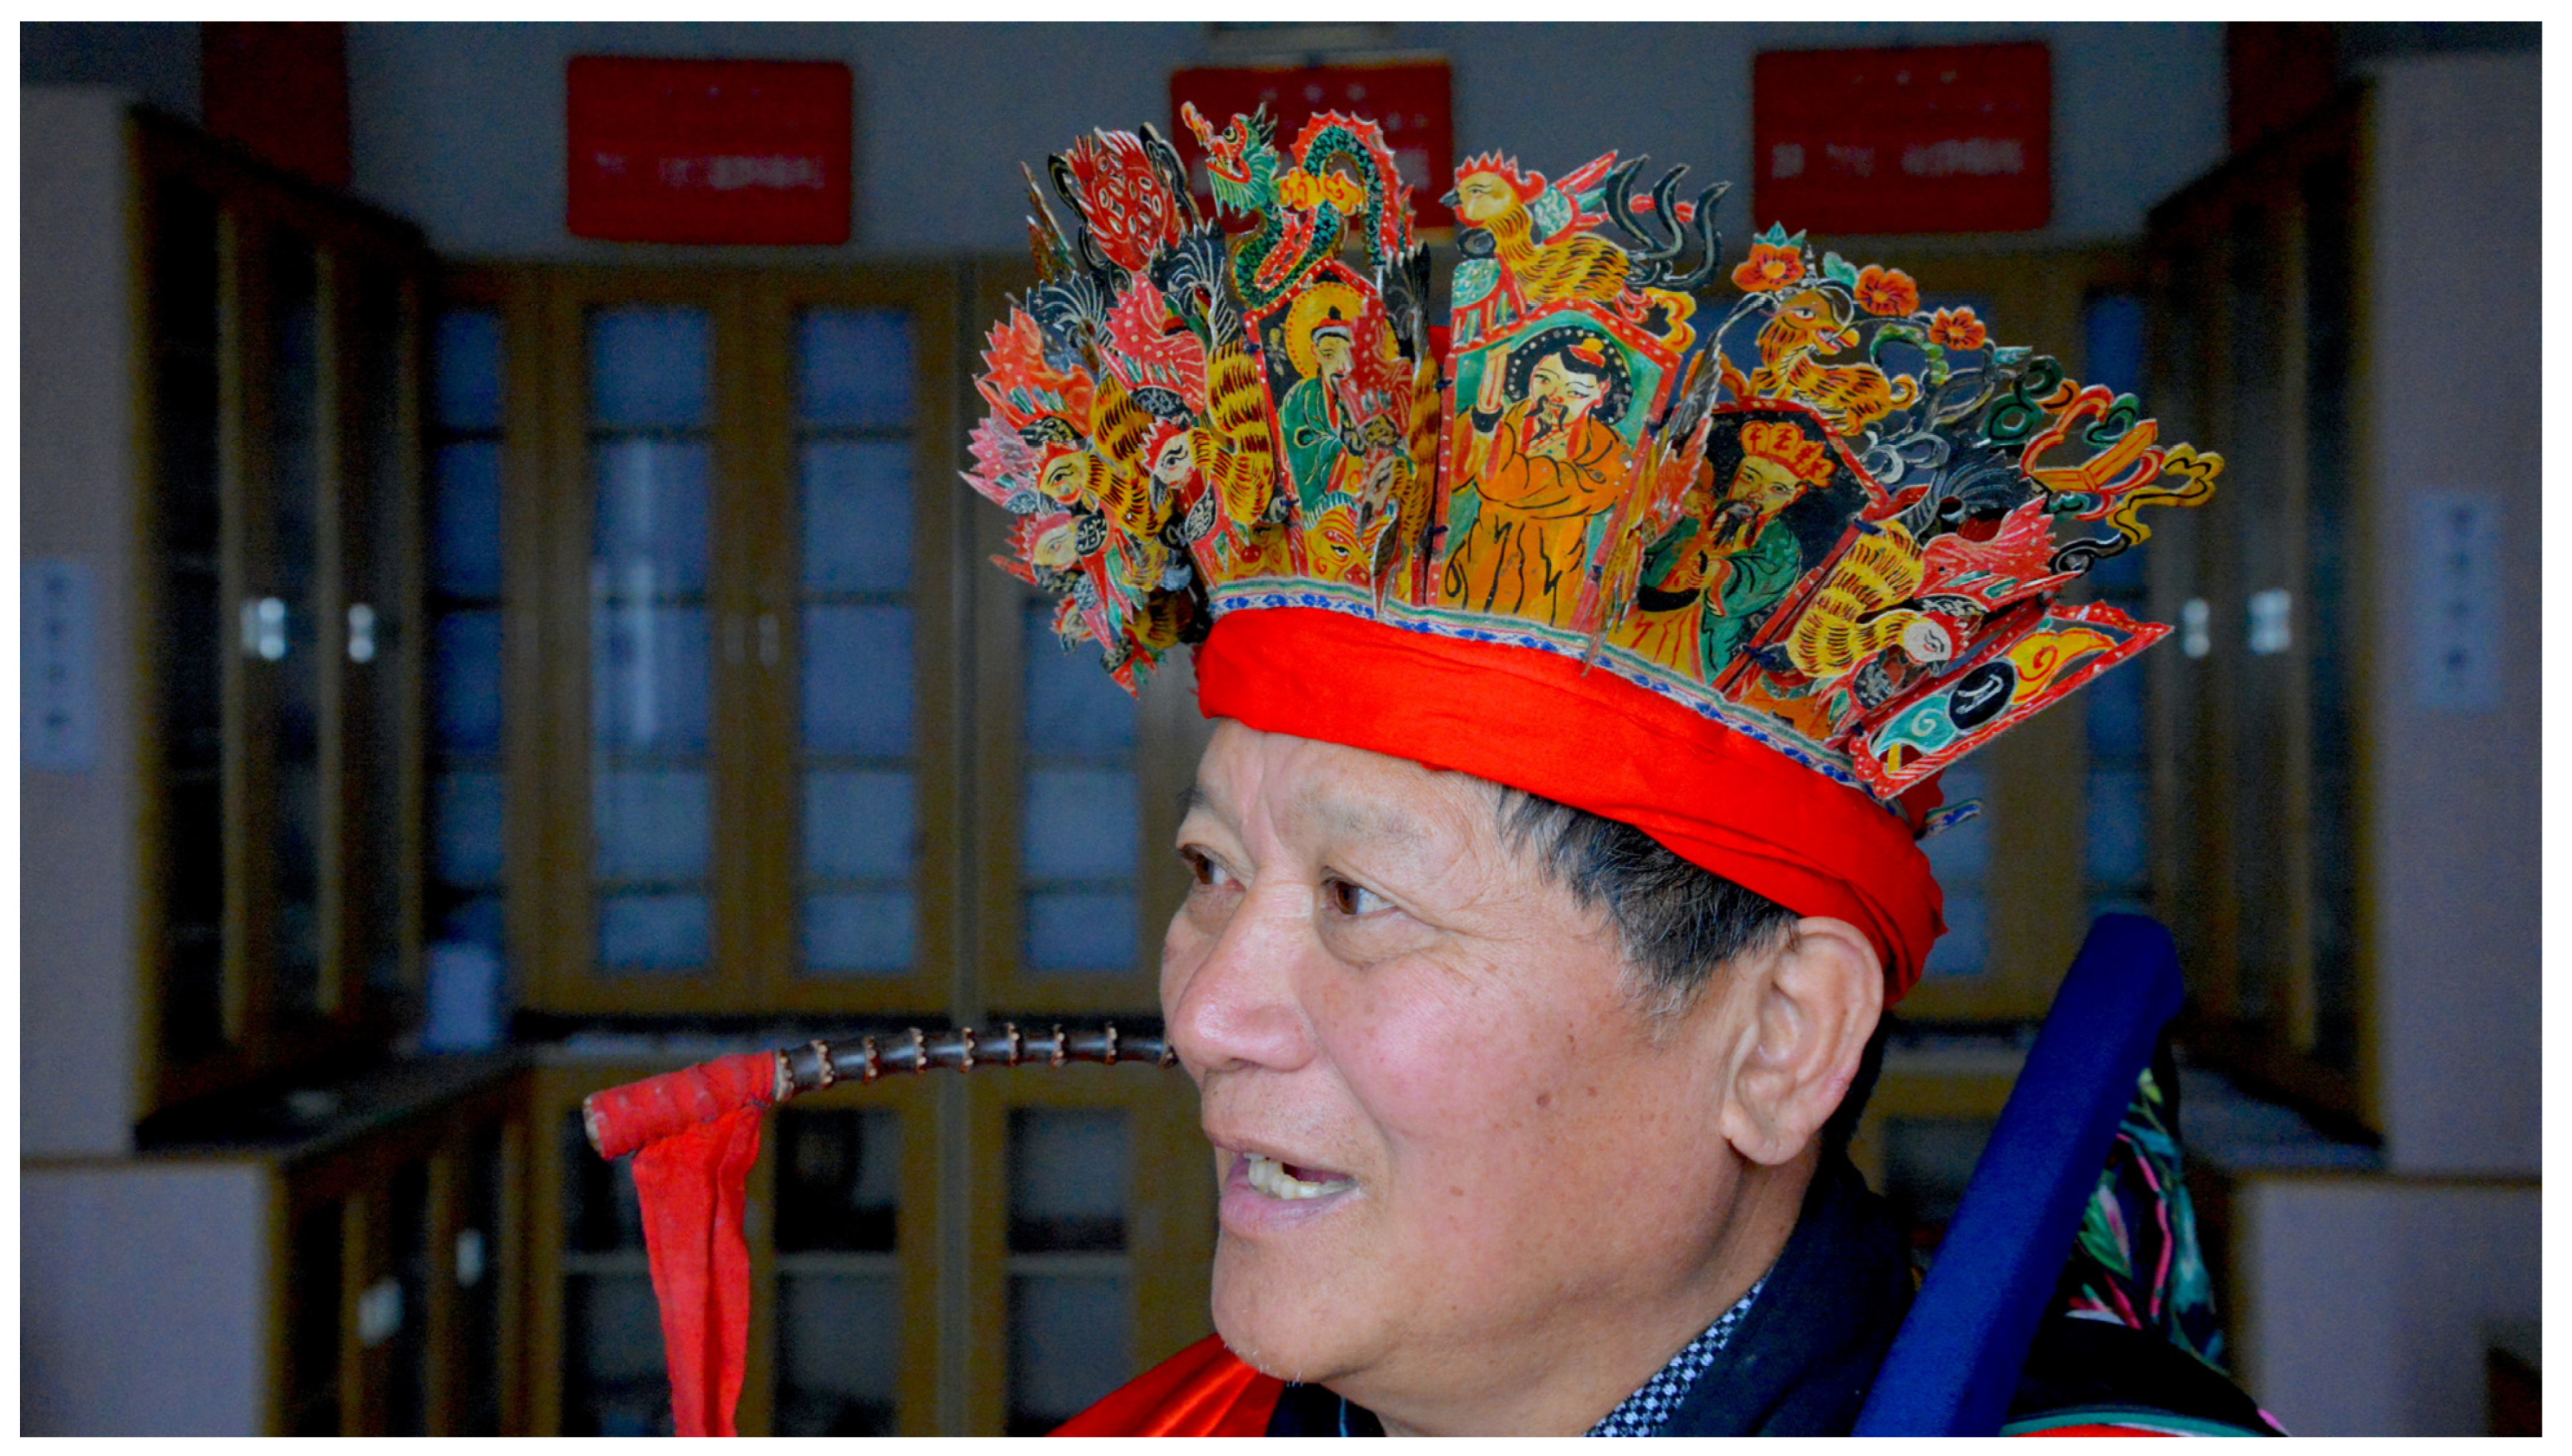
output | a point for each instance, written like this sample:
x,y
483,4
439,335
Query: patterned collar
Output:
x,y
1644,1412
1314,1410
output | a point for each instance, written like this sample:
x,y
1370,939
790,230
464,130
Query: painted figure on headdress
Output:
x,y
1730,557
1339,421
1541,451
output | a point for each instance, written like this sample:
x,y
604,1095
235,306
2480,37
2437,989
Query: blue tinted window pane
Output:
x,y
857,826
653,933
469,370
470,827
1069,1343
648,678
855,370
2113,708
1074,709
1966,946
1080,825
840,1339
651,825
466,650
648,535
857,680
648,368
867,932
2119,849
1068,1166
467,515
1081,931
856,516
2111,339
477,921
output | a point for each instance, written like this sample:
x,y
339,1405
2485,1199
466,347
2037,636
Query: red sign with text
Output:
x,y
1411,100
1944,139
709,151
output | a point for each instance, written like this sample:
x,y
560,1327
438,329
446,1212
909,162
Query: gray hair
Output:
x,y
1676,923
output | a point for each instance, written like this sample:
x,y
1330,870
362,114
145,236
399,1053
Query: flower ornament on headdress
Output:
x,y
1803,541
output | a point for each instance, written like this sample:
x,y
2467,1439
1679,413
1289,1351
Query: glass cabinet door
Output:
x,y
858,905
467,790
840,1312
281,619
763,624
651,688
615,1379
279,429
375,904
1092,1226
200,1005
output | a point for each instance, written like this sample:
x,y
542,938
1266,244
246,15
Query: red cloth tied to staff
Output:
x,y
694,1135
1538,721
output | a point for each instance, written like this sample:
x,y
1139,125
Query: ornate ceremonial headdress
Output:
x,y
1744,573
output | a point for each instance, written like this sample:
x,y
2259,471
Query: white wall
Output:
x,y
460,127
78,836
2364,1302
143,1292
2455,371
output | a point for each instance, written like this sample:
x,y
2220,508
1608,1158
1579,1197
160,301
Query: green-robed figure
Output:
x,y
1725,559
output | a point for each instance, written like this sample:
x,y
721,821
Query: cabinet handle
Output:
x,y
362,632
263,621
768,639
379,1312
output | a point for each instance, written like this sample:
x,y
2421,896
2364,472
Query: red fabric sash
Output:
x,y
691,1182
1535,720
1203,1390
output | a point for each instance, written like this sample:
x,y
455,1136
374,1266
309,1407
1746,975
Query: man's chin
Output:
x,y
1286,1320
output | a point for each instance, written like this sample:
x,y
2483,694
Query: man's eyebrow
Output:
x,y
1191,799
1362,819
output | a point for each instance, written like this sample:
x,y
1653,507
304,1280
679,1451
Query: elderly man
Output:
x,y
1531,982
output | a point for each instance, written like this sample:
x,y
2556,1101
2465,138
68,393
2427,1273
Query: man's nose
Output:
x,y
1237,1006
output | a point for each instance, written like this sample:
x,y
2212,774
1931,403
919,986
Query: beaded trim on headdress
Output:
x,y
1817,512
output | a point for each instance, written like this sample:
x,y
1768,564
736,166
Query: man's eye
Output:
x,y
1205,869
1355,900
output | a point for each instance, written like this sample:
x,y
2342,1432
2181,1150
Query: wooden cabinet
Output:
x,y
341,1259
278,375
2255,278
929,1254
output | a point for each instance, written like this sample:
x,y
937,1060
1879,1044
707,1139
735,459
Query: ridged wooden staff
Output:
x,y
623,1119
694,1135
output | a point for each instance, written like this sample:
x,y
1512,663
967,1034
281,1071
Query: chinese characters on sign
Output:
x,y
2455,646
709,151
1946,139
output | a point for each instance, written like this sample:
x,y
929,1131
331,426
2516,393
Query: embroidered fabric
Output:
x,y
1644,1412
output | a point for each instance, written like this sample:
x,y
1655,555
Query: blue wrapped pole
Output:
x,y
1956,1359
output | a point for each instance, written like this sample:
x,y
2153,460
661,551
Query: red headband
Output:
x,y
1535,720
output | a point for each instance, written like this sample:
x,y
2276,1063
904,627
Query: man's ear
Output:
x,y
1813,1003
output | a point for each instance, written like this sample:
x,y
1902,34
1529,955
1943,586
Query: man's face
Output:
x,y
1569,391
1331,352
1449,1144
1764,485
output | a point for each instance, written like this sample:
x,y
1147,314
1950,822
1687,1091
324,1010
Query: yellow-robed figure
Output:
x,y
1541,467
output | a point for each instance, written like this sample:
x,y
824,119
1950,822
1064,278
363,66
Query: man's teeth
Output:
x,y
1269,1176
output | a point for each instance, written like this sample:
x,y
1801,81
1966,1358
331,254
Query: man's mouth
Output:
x,y
1288,1180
